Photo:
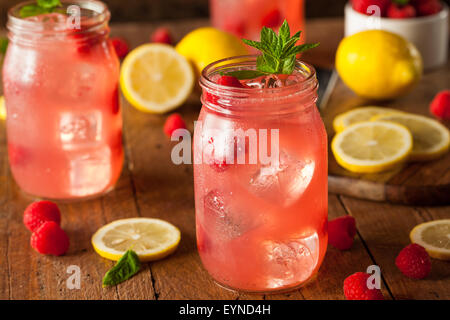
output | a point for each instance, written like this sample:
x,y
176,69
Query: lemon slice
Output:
x,y
2,108
155,78
151,239
372,146
430,138
360,114
434,236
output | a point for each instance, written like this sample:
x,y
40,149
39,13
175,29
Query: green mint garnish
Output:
x,y
278,53
401,2
3,45
127,266
40,7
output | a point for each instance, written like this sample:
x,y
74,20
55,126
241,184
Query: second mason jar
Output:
x,y
260,176
64,124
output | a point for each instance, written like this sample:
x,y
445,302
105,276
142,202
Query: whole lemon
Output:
x,y
378,64
205,45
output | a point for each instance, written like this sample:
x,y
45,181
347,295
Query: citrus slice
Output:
x,y
434,236
2,108
431,139
151,239
360,114
155,78
372,146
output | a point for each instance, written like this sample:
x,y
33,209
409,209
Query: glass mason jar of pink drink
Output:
x,y
64,123
260,175
245,18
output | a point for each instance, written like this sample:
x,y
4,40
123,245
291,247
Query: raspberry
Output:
x,y
413,261
236,27
272,19
230,81
225,81
49,238
355,288
161,35
427,7
440,106
341,232
17,154
401,12
362,5
121,47
173,122
39,212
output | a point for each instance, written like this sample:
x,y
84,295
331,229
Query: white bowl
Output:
x,y
429,34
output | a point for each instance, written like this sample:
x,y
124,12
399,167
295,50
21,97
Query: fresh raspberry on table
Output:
x,y
341,232
355,288
413,261
272,19
39,212
121,47
397,11
362,5
49,238
440,106
427,7
173,122
161,35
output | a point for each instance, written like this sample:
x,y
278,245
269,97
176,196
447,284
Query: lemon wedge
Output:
x,y
2,108
369,147
434,236
155,78
360,114
431,139
151,239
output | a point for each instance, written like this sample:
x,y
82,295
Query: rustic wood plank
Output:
x,y
385,229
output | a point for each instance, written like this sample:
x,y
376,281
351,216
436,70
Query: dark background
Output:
x,y
153,10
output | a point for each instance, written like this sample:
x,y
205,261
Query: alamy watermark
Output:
x,y
227,146
74,20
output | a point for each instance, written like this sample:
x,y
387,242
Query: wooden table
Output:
x,y
151,186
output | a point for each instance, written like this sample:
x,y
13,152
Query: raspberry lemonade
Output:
x,y
261,225
64,124
245,18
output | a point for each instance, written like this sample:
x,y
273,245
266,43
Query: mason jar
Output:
x,y
260,176
64,123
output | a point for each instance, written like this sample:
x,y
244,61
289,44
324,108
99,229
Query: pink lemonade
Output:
x,y
64,123
245,18
261,227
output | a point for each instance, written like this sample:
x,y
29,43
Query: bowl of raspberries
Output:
x,y
422,22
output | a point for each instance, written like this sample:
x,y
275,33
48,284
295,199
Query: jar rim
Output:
x,y
214,67
100,9
304,90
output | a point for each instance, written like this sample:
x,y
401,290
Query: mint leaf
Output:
x,y
244,74
127,266
48,4
3,45
278,52
41,7
31,10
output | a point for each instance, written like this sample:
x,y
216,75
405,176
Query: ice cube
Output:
x,y
270,81
283,182
79,129
290,261
90,170
223,217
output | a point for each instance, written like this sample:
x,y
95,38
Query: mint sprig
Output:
x,y
278,53
127,266
40,7
3,45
